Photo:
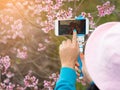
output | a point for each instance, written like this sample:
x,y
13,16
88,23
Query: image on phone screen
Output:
x,y
66,27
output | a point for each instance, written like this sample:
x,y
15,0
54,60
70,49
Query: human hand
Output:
x,y
69,51
86,77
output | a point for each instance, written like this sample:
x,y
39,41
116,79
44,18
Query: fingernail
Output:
x,y
76,65
74,30
79,71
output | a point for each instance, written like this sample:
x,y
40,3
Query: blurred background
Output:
x,y
29,57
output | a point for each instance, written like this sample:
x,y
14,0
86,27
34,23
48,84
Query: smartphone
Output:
x,y
66,27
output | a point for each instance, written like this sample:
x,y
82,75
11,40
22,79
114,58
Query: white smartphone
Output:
x,y
66,27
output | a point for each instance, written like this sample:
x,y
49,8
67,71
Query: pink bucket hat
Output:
x,y
102,56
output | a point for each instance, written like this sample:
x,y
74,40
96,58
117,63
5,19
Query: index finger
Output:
x,y
74,38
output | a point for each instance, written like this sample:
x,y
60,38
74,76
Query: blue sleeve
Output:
x,y
67,79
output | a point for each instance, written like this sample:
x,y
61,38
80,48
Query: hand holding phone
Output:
x,y
80,40
66,27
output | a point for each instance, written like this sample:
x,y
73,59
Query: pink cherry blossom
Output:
x,y
83,14
9,74
10,86
14,28
105,9
54,76
47,40
2,85
30,80
22,54
7,80
49,84
53,79
63,14
4,63
18,18
17,25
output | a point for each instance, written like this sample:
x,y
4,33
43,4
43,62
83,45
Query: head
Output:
x,y
102,56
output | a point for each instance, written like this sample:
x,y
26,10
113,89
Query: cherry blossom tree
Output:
x,y
29,48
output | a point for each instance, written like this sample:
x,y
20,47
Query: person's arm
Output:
x,y
68,52
67,80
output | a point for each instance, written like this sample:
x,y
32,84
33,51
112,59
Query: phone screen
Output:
x,y
66,27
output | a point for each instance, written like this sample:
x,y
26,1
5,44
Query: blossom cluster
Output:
x,y
4,63
9,86
54,13
22,53
30,81
14,28
4,66
45,9
41,46
20,23
51,82
105,9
